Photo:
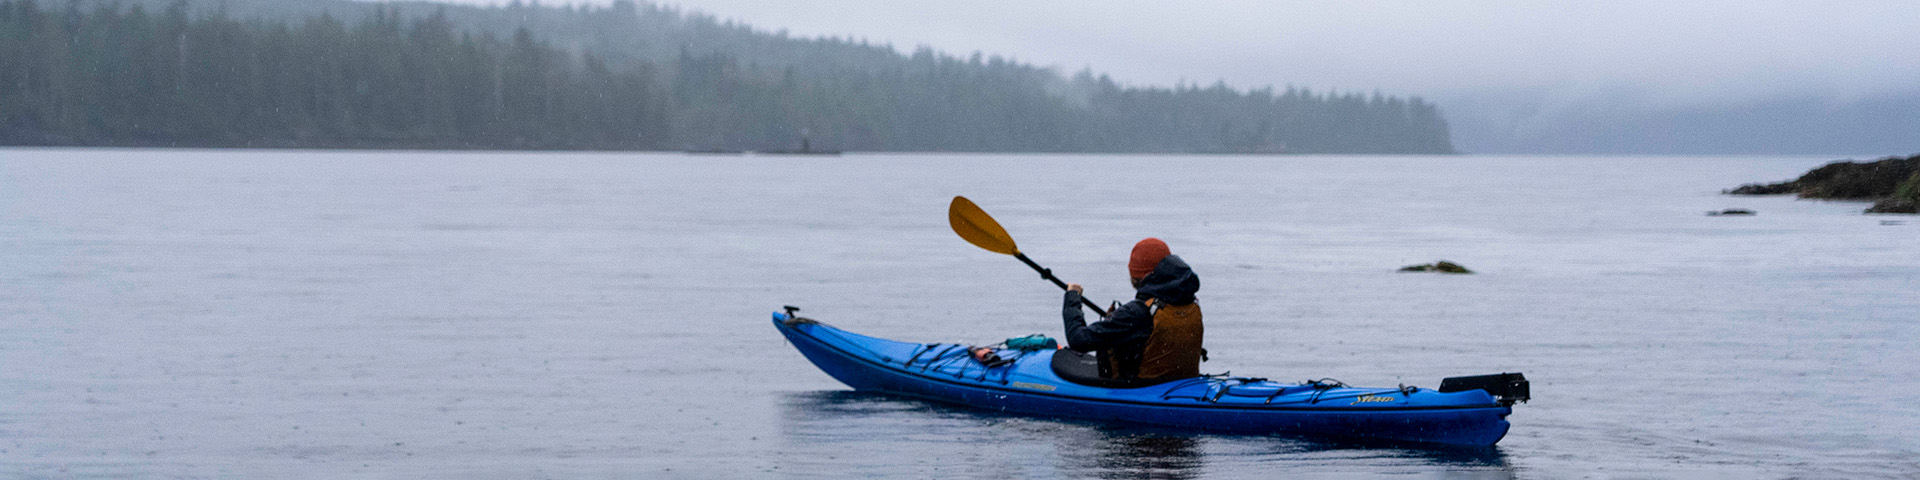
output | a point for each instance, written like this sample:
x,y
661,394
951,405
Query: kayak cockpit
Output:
x,y
1084,369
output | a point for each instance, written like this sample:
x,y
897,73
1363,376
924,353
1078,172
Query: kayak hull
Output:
x,y
1236,405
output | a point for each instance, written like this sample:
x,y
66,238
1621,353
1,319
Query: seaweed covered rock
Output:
x,y
1843,180
1735,212
1905,198
1442,266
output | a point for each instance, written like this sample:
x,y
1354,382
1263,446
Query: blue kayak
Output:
x,y
1465,411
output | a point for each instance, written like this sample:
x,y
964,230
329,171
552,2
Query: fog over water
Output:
x,y
1771,76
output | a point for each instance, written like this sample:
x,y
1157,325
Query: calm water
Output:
x,y
511,315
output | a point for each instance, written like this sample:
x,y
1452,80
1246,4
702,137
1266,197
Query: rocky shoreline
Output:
x,y
1893,183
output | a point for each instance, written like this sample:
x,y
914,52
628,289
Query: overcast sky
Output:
x,y
1668,51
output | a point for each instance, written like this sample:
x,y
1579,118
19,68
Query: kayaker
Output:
x,y
1155,337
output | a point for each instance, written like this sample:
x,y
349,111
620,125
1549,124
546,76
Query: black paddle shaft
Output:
x,y
1047,273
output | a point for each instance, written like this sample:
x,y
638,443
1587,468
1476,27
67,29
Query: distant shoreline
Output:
x,y
622,77
696,153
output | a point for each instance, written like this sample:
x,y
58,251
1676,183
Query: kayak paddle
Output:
x,y
979,229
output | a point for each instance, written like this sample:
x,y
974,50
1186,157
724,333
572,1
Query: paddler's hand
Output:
x,y
1075,288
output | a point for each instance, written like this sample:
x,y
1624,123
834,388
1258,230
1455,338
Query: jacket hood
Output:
x,y
1172,281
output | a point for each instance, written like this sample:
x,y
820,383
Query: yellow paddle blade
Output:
x,y
979,229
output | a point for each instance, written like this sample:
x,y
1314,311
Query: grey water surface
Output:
x,y
295,314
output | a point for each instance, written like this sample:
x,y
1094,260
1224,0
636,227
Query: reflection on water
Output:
x,y
830,431
1120,455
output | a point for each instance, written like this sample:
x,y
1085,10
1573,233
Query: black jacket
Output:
x,y
1124,332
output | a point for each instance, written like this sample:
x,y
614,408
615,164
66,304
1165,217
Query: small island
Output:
x,y
1893,183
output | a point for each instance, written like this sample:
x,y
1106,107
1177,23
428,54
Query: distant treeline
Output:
x,y
406,75
113,76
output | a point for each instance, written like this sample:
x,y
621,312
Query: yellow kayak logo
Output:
x,y
1370,399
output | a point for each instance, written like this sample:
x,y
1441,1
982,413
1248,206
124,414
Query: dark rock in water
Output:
x,y
1442,266
1781,188
1843,180
1905,198
1895,205
1731,211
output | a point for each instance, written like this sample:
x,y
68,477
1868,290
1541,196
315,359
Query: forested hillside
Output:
x,y
329,73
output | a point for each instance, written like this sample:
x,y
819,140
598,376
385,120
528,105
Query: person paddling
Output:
x,y
1155,337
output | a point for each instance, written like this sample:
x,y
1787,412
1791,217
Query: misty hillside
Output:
x,y
333,73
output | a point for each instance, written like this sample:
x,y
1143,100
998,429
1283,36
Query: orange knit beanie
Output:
x,y
1146,255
